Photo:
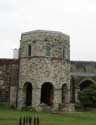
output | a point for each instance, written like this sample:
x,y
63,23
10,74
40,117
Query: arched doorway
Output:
x,y
28,94
64,93
47,93
85,84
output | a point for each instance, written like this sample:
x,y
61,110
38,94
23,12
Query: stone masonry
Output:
x,y
8,81
43,77
40,68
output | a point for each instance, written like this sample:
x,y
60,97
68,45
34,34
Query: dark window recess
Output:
x,y
29,50
63,53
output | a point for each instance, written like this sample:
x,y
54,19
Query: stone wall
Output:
x,y
39,40
40,68
48,62
82,71
8,79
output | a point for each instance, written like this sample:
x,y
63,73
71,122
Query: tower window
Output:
x,y
29,50
48,49
63,53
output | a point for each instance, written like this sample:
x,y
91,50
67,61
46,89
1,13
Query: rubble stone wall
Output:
x,y
40,68
8,79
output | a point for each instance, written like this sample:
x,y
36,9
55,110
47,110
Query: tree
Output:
x,y
88,96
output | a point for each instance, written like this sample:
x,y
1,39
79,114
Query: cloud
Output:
x,y
74,17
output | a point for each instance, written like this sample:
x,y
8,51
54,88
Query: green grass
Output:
x,y
8,117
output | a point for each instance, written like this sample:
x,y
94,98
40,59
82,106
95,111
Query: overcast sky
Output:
x,y
76,18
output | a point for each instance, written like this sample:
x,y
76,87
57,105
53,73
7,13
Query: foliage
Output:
x,y
88,97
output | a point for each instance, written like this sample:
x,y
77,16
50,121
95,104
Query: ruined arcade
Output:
x,y
45,78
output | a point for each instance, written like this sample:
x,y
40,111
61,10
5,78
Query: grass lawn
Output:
x,y
8,117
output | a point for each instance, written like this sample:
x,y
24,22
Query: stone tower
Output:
x,y
44,70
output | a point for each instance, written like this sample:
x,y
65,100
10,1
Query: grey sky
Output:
x,y
76,18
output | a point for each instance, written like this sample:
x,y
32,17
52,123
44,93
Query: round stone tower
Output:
x,y
44,70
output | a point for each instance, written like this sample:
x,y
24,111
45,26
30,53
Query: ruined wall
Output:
x,y
40,68
82,71
53,66
8,80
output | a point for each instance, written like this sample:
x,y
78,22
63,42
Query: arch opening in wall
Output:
x,y
85,84
27,94
64,93
47,93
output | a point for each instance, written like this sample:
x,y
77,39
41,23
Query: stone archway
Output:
x,y
64,93
47,93
85,84
27,89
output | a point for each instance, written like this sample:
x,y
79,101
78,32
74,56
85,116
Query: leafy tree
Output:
x,y
88,96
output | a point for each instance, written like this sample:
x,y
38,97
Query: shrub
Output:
x,y
88,97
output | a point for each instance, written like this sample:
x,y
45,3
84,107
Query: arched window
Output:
x,y
29,50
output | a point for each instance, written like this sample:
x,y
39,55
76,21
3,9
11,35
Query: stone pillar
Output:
x,y
57,98
13,92
68,96
76,94
69,107
36,96
20,98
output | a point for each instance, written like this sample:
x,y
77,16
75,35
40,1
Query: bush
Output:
x,y
88,97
